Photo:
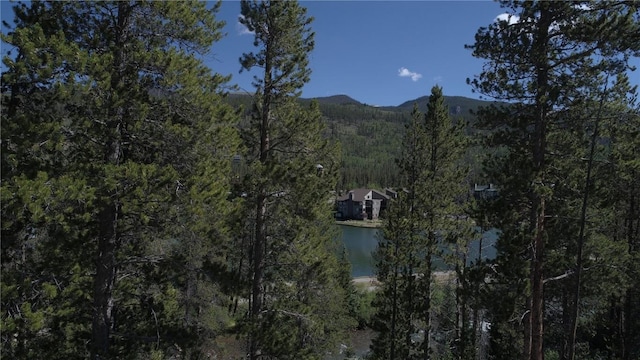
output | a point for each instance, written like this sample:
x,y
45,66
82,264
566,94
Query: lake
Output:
x,y
362,242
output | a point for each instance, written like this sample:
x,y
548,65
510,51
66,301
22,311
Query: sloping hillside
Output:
x,y
338,100
371,137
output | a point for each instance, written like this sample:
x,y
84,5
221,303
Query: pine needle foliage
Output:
x,y
297,303
115,156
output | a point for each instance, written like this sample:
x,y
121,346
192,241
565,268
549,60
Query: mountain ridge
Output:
x,y
453,101
340,99
370,137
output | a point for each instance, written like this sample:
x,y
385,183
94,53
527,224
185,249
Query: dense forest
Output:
x,y
147,213
370,137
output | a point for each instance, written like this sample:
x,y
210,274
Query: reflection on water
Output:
x,y
362,242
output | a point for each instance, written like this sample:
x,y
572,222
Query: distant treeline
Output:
x,y
370,137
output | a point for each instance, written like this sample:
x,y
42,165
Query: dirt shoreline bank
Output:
x,y
361,223
440,276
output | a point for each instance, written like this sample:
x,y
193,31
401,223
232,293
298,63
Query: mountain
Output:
x,y
370,137
463,104
337,100
458,105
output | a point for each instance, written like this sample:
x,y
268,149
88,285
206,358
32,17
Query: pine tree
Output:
x,y
610,251
296,302
106,109
541,60
580,286
443,191
396,258
421,221
624,313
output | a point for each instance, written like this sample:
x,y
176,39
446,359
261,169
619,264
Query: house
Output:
x,y
485,191
361,204
392,194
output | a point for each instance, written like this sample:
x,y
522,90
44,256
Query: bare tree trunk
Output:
x,y
394,307
108,240
104,283
459,317
465,338
566,323
105,279
526,323
410,307
477,328
257,294
583,219
540,45
260,241
537,293
627,319
427,306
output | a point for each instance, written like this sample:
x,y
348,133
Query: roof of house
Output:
x,y
359,194
489,187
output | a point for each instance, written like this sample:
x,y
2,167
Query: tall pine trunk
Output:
x,y
394,306
109,237
103,302
629,319
537,290
105,279
583,221
260,241
258,272
427,310
539,142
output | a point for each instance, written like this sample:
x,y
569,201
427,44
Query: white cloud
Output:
x,y
509,18
438,79
241,29
584,7
404,72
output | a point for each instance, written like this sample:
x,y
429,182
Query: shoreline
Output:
x,y
374,224
364,280
439,275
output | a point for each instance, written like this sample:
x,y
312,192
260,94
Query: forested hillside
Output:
x,y
370,137
122,234
148,214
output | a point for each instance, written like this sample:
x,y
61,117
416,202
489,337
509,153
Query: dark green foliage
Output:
x,y
371,137
552,64
393,319
297,297
459,107
611,248
106,116
353,298
428,214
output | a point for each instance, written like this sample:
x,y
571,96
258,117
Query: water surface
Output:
x,y
361,242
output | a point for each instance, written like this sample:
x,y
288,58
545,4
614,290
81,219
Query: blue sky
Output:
x,y
363,48
377,52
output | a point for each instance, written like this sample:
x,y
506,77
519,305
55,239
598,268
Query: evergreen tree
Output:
x,y
541,60
296,301
606,325
106,111
581,282
394,315
443,191
623,340
422,219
